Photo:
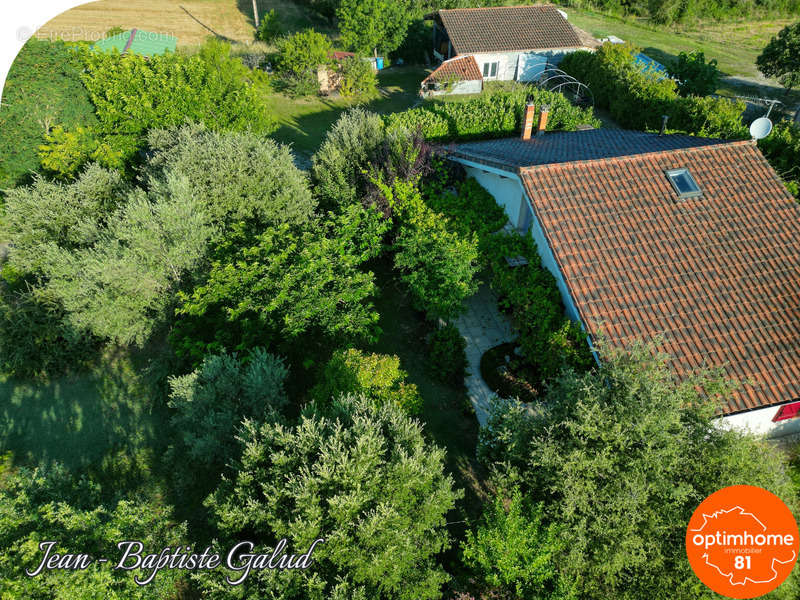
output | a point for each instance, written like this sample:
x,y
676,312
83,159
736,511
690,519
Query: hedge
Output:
x,y
638,98
782,150
492,114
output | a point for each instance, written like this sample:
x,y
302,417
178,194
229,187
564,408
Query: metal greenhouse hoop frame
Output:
x,y
556,80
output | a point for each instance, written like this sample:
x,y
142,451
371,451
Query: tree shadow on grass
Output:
x,y
102,423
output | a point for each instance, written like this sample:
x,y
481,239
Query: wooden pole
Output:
x,y
255,12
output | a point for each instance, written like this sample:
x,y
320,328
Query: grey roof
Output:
x,y
508,28
568,146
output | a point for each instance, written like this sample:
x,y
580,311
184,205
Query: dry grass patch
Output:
x,y
191,21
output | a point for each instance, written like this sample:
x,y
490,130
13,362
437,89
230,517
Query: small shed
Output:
x,y
459,75
137,41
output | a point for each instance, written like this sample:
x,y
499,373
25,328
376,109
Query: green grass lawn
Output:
x,y
303,122
103,422
446,422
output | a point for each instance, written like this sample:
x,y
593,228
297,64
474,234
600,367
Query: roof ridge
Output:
x,y
525,6
588,161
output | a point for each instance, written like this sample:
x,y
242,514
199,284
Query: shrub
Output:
x,y
337,168
65,153
133,94
447,352
621,479
548,339
49,503
437,265
638,99
299,57
43,89
357,77
211,402
492,114
362,477
695,76
377,377
514,551
781,57
270,27
782,149
244,177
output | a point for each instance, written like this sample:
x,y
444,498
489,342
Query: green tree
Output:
x,y
436,264
781,57
244,177
513,551
272,288
361,477
51,504
358,78
369,25
270,27
299,57
621,457
338,167
212,401
122,287
378,377
695,76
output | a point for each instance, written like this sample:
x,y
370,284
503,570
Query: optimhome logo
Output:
x,y
742,541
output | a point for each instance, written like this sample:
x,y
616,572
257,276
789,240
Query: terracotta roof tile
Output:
x,y
463,67
717,276
509,28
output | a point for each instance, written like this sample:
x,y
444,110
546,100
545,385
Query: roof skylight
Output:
x,y
684,183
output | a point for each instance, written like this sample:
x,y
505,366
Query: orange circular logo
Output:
x,y
742,541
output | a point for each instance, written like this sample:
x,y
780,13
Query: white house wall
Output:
x,y
508,61
759,422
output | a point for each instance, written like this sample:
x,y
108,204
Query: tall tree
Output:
x,y
621,457
362,477
371,25
781,57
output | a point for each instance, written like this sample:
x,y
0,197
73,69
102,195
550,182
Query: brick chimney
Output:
x,y
527,121
543,119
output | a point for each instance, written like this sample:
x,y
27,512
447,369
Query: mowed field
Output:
x,y
191,21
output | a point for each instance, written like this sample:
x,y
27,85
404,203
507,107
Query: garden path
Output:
x,y
483,327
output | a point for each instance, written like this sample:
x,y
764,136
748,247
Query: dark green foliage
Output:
x,y
270,288
299,57
36,338
51,504
43,89
781,57
621,456
211,402
492,114
638,99
357,77
513,550
244,177
377,377
416,47
270,27
361,477
548,339
367,26
695,76
782,149
447,351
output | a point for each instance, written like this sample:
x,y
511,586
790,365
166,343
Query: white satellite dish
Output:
x,y
760,128
563,14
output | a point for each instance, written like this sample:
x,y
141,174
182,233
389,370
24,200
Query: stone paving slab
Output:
x,y
484,327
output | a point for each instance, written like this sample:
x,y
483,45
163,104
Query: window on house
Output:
x,y
684,183
490,69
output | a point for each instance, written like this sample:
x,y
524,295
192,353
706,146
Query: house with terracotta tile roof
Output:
x,y
689,241
459,75
511,43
